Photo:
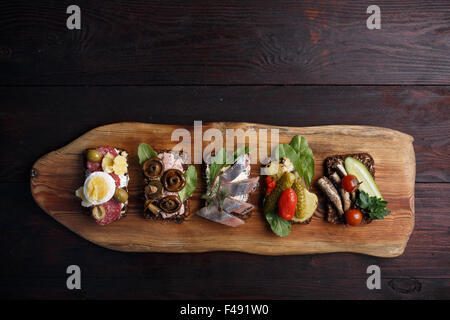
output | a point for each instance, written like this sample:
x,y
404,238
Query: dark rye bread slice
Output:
x,y
176,218
329,165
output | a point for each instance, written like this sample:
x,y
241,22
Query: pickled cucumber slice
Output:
x,y
301,204
308,206
284,183
357,168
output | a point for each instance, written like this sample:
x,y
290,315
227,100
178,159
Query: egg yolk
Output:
x,y
108,162
120,165
97,189
117,164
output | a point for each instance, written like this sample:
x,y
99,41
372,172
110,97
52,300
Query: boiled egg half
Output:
x,y
99,188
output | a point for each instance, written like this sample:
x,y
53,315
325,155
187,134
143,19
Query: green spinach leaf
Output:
x,y
300,145
145,152
191,183
278,225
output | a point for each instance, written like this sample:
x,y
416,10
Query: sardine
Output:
x,y
232,205
345,196
220,216
346,201
336,179
242,187
331,192
242,165
340,168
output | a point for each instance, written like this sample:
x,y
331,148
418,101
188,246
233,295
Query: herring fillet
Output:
x,y
241,187
232,205
242,164
222,217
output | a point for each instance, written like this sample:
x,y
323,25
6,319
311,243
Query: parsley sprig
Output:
x,y
374,206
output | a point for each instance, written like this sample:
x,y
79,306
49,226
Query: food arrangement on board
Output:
x,y
105,190
287,200
352,196
168,184
228,187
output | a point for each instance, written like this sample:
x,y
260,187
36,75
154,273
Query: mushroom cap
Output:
x,y
173,180
170,204
153,168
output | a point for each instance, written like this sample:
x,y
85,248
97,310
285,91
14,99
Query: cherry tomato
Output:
x,y
287,204
270,184
350,183
353,217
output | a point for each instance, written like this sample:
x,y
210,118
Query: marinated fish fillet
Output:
x,y
239,168
241,187
232,205
214,214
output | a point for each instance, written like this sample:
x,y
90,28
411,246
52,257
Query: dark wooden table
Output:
x,y
298,63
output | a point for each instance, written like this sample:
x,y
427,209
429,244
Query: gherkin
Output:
x,y
300,210
285,182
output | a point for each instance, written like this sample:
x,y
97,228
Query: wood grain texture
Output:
x,y
212,42
56,176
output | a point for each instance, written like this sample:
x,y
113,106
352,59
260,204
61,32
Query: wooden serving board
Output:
x,y
56,176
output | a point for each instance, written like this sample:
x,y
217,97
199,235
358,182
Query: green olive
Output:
x,y
121,195
94,155
98,212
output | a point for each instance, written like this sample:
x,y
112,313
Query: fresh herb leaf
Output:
x,y
191,183
221,196
374,206
278,225
145,152
217,163
300,145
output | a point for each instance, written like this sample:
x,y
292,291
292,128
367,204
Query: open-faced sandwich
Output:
x,y
353,197
168,183
287,200
228,187
105,190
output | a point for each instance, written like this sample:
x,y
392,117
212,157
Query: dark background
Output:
x,y
298,63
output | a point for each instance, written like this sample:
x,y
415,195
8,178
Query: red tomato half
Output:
x,y
287,204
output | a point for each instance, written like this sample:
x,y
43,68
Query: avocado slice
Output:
x,y
357,168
